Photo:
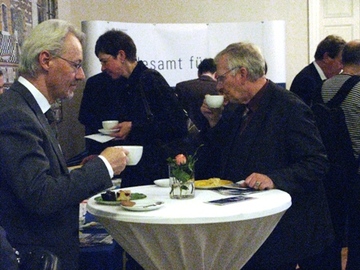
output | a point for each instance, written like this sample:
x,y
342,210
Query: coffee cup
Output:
x,y
109,124
135,153
214,101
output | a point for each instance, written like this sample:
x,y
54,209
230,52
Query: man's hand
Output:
x,y
116,157
124,130
212,115
259,181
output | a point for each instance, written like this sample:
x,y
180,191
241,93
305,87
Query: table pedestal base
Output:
x,y
205,246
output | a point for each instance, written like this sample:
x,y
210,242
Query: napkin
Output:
x,y
100,137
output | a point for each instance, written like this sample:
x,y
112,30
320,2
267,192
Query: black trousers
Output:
x,y
353,261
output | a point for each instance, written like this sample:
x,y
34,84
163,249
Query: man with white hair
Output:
x,y
39,206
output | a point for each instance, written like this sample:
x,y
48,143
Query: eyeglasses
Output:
x,y
75,65
221,78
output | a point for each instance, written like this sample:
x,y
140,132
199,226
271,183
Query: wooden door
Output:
x,y
338,17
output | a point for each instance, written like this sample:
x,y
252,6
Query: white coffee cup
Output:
x,y
109,124
214,101
135,153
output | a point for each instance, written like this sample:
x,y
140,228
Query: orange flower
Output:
x,y
180,159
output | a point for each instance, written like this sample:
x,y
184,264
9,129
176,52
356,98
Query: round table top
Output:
x,y
196,210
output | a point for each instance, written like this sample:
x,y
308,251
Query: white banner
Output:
x,y
176,50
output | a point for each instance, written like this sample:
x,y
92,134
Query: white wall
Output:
x,y
176,50
293,12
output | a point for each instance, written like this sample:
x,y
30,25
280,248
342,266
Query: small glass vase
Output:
x,y
182,182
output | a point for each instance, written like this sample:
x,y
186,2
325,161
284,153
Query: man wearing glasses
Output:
x,y
39,206
270,142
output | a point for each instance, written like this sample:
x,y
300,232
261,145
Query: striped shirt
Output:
x,y
350,106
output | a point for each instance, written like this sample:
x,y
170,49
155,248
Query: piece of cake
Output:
x,y
123,195
108,196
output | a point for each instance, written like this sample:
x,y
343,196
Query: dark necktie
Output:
x,y
246,117
52,121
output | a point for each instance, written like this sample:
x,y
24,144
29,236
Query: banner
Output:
x,y
176,50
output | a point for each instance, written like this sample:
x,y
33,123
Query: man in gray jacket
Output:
x,y
39,206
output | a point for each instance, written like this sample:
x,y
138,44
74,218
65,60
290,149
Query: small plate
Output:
x,y
145,205
134,196
208,184
162,182
108,131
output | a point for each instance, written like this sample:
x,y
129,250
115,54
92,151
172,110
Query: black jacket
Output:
x,y
282,142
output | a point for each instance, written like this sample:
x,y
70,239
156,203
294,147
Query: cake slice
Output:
x,y
123,195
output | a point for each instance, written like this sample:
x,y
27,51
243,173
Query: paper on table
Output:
x,y
100,137
230,200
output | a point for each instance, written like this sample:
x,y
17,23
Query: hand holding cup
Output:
x,y
214,101
117,157
134,153
212,108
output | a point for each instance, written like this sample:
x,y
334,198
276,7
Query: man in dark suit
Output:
x,y
39,206
191,93
273,143
307,83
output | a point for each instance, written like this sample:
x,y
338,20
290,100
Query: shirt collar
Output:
x,y
320,71
39,97
253,104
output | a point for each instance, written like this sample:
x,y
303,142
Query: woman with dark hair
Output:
x,y
149,112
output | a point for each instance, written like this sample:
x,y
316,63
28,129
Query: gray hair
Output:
x,y
46,36
245,55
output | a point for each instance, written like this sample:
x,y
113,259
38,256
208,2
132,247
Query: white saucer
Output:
x,y
144,205
162,182
108,131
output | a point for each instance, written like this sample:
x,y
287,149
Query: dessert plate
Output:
x,y
134,196
210,184
144,205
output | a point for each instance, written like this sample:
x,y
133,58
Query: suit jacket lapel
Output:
x,y
43,120
244,142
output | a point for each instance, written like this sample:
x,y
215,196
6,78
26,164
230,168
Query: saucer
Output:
x,y
165,182
145,205
108,131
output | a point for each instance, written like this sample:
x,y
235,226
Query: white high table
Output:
x,y
192,234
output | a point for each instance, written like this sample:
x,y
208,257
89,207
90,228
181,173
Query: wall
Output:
x,y
293,12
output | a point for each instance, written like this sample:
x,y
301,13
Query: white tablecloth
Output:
x,y
192,234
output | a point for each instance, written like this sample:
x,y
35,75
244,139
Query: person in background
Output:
x,y
327,63
344,192
149,113
39,206
2,82
271,142
191,93
101,101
